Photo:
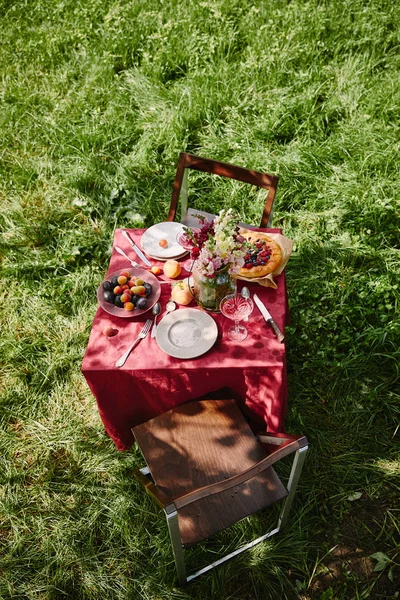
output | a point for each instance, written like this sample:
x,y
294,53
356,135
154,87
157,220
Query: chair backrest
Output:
x,y
189,161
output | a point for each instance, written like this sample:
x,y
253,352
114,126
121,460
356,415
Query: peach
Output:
x,y
172,268
181,293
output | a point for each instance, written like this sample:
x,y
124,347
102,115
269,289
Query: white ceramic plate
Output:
x,y
164,259
186,333
162,231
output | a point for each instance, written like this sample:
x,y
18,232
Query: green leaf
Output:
x,y
382,561
354,496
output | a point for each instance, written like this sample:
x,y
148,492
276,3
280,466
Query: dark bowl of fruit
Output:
x,y
129,292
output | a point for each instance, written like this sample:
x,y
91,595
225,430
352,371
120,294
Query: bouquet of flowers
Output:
x,y
217,244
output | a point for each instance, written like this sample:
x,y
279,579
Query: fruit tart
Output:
x,y
263,257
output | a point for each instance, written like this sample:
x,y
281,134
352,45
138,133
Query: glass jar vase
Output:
x,y
208,292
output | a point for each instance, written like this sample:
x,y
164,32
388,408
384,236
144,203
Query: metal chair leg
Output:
x,y
177,548
295,473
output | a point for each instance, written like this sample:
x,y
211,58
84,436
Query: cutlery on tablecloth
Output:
x,y
133,263
121,361
136,248
156,311
268,318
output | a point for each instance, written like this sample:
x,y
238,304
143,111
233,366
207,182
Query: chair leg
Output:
x,y
295,473
177,548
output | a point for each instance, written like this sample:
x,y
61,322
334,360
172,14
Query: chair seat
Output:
x,y
204,442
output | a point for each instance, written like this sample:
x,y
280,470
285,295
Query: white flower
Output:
x,y
221,248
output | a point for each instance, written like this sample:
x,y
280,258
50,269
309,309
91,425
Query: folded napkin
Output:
x,y
286,245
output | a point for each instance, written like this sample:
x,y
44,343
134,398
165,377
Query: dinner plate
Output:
x,y
121,312
162,259
186,333
162,231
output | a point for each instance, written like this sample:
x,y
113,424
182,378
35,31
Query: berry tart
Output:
x,y
263,256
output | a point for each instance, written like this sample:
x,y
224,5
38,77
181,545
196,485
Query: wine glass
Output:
x,y
184,240
236,307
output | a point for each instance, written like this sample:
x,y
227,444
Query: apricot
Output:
x,y
163,243
125,274
129,306
140,290
126,297
109,331
155,270
172,268
118,290
122,279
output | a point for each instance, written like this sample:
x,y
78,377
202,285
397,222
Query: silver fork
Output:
x,y
133,262
121,361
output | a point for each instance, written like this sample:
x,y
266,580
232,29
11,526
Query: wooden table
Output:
x,y
151,382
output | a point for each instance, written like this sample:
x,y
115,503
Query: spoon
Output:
x,y
156,311
170,306
245,294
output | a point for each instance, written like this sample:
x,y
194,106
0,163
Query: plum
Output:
x,y
117,301
141,304
108,296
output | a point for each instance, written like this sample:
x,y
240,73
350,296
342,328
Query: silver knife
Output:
x,y
267,316
136,248
120,251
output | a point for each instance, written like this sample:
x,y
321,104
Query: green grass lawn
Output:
x,y
97,99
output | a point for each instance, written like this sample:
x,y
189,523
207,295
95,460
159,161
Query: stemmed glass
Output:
x,y
236,307
186,243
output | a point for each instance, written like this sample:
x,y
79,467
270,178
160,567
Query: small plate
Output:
x,y
121,312
186,333
162,231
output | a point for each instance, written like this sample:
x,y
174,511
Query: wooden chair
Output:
x,y
207,470
180,190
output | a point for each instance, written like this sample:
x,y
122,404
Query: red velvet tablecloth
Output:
x,y
151,382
